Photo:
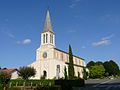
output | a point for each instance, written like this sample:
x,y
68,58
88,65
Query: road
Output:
x,y
101,84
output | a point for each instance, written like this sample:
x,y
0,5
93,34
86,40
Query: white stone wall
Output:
x,y
49,66
14,75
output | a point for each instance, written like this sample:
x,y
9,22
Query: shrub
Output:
x,y
73,83
26,72
45,87
4,79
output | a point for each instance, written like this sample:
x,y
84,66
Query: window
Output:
x,y
46,38
79,62
44,74
52,38
61,56
58,72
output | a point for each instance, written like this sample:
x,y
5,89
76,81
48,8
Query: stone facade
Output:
x,y
50,61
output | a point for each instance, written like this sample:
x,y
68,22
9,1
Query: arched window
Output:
x,y
46,38
50,38
58,72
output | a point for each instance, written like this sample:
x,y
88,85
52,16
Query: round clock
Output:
x,y
45,55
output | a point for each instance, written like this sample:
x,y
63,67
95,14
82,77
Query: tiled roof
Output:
x,y
9,71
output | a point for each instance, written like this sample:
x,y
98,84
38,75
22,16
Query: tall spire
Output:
x,y
48,25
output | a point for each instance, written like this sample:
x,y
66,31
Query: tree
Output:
x,y
65,72
4,79
70,66
26,72
119,73
84,73
99,63
97,71
91,63
115,67
111,67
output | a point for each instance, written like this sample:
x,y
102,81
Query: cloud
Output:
x,y
104,41
111,18
11,35
24,42
83,47
108,37
74,3
7,33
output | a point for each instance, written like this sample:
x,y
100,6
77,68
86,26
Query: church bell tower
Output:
x,y
47,36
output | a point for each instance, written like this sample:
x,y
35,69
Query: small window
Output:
x,y
58,72
52,38
44,38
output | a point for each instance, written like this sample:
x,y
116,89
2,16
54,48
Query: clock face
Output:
x,y
45,55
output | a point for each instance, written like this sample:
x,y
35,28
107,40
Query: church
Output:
x,y
51,61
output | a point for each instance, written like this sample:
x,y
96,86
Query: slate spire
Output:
x,y
48,25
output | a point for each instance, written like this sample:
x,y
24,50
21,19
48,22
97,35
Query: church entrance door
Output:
x,y
44,74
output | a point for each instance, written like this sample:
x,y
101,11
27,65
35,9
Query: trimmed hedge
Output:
x,y
72,83
61,82
33,82
48,88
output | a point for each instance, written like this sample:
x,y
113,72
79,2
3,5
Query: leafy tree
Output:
x,y
119,73
111,67
4,79
84,74
65,72
26,72
115,67
91,63
99,63
97,71
70,66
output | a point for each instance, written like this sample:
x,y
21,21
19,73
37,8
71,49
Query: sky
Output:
x,y
91,27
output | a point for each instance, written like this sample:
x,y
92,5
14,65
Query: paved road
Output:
x,y
104,84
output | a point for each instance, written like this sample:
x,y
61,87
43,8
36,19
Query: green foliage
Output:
x,y
70,66
111,67
47,87
34,82
65,73
91,63
14,88
73,83
26,72
119,73
4,79
99,63
84,74
97,71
